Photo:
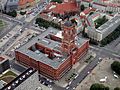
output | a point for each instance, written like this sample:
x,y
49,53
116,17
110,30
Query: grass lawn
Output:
x,y
9,73
8,76
1,23
100,21
8,79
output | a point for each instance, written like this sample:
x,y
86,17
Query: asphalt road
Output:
x,y
25,26
100,52
8,43
105,52
5,31
114,45
85,72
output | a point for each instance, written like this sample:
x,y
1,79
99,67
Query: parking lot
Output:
x,y
21,40
31,12
45,83
100,72
10,37
5,26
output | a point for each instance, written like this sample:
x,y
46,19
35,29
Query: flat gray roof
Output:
x,y
1,84
54,63
109,24
12,2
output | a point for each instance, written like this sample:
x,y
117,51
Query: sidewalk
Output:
x,y
43,87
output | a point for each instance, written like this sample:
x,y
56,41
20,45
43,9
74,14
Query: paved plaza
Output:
x,y
103,69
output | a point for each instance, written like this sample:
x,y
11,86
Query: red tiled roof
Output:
x,y
113,5
105,5
104,0
1,59
88,10
100,4
23,2
87,0
95,16
64,7
44,15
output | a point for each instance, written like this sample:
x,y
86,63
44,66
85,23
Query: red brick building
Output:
x,y
62,9
53,54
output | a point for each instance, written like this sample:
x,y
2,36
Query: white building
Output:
x,y
101,5
106,6
104,30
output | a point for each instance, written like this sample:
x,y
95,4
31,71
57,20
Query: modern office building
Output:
x,y
106,6
4,64
53,52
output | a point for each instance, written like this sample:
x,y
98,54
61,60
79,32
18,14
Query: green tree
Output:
x,y
82,7
44,23
91,13
116,67
100,21
58,1
98,86
22,13
12,13
117,88
106,88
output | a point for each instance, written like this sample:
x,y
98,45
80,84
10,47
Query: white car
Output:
x,y
76,76
49,86
73,88
67,87
100,58
116,76
70,82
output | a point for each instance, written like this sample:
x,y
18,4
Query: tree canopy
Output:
x,y
116,67
82,7
12,13
117,88
58,1
44,23
98,86
22,13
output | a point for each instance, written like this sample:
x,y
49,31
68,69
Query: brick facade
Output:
x,y
49,71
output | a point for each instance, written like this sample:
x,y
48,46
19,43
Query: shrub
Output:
x,y
22,13
116,67
98,86
12,13
117,88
